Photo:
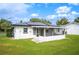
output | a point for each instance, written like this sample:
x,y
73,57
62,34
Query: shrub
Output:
x,y
9,33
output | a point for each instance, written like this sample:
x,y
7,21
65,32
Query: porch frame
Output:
x,y
44,31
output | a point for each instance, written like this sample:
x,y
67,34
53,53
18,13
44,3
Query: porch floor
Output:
x,y
47,38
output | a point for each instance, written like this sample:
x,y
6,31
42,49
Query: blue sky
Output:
x,y
50,11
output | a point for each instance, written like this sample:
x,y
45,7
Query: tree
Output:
x,y
40,20
5,24
35,20
76,20
62,21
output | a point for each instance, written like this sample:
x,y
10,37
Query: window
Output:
x,y
25,30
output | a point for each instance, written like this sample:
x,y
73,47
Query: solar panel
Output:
x,y
35,23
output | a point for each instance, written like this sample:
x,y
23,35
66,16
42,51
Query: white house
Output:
x,y
37,31
72,28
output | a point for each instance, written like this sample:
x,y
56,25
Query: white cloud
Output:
x,y
74,3
18,19
14,10
63,9
60,15
74,13
34,15
51,16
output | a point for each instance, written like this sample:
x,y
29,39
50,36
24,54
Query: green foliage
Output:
x,y
40,20
5,24
62,21
35,20
9,32
76,20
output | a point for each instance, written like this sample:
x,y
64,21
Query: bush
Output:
x,y
9,33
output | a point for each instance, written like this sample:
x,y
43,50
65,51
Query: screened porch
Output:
x,y
48,31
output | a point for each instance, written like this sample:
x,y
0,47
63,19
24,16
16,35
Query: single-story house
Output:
x,y
72,28
38,31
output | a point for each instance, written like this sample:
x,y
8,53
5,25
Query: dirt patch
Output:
x,y
17,46
6,44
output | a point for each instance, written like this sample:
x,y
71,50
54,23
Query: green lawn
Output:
x,y
69,46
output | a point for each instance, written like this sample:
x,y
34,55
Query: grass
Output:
x,y
68,46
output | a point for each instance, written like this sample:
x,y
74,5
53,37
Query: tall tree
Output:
x,y
40,20
76,20
62,21
5,24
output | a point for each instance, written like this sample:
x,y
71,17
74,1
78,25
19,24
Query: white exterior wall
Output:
x,y
72,29
18,32
60,31
48,38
